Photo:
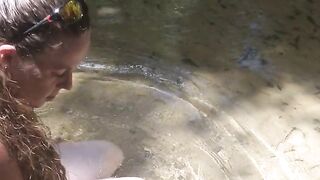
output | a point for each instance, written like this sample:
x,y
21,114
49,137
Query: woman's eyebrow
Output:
x,y
57,45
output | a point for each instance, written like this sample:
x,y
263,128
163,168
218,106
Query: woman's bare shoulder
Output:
x,y
9,169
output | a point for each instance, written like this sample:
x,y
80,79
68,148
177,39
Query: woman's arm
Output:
x,y
9,169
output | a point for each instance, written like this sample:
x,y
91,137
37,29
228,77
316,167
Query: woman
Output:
x,y
41,43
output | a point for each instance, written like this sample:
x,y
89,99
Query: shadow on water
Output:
x,y
200,89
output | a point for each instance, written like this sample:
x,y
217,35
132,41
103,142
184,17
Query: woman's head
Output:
x,y
40,63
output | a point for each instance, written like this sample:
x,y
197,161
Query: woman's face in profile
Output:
x,y
39,80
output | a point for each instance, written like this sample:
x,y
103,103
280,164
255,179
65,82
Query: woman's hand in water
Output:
x,y
90,160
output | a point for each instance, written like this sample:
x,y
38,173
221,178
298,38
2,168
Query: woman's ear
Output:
x,y
7,49
6,53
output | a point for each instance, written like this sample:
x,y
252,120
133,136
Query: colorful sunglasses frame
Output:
x,y
69,13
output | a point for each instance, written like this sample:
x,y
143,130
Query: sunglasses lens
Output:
x,y
71,12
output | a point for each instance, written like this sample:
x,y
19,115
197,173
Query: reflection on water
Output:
x,y
201,89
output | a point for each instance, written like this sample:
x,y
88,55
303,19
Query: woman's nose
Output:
x,y
66,82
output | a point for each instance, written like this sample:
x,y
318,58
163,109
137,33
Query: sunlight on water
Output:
x,y
194,89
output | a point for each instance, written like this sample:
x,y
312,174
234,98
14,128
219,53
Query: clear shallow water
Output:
x,y
200,89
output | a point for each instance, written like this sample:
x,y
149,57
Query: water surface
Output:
x,y
200,89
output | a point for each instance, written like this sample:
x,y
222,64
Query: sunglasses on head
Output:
x,y
69,13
